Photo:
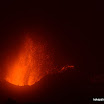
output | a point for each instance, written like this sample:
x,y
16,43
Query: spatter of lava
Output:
x,y
30,65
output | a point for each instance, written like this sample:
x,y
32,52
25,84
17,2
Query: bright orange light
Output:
x,y
31,64
27,67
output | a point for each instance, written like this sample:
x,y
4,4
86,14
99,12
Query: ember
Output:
x,y
29,64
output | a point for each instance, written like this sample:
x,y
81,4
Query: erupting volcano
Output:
x,y
33,61
30,65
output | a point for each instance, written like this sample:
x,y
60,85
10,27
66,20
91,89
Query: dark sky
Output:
x,y
73,28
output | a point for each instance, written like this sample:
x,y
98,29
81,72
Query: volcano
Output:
x,y
30,65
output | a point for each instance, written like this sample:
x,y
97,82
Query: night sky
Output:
x,y
73,29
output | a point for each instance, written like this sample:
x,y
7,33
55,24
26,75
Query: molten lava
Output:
x,y
29,65
32,63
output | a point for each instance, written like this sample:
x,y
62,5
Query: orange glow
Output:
x,y
28,66
66,67
32,63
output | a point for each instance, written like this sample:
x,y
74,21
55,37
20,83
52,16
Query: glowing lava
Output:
x,y
29,65
66,67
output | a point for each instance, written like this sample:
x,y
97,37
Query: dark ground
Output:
x,y
67,87
74,29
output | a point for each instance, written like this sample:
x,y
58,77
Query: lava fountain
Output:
x,y
33,61
30,65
